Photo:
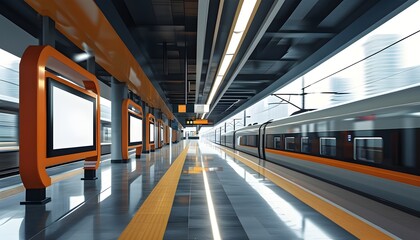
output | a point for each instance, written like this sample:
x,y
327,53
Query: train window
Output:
x,y
269,141
106,134
289,143
277,142
8,130
242,140
305,146
368,149
252,140
328,146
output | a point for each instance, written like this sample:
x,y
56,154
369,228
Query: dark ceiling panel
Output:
x,y
162,36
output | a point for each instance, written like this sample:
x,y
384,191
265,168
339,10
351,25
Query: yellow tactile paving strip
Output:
x,y
152,218
56,178
350,222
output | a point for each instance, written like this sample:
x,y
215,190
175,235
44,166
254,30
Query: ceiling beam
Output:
x,y
203,9
299,34
213,46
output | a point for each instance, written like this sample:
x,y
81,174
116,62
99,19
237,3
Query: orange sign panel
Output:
x,y
182,108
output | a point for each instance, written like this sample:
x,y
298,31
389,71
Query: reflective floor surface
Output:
x,y
79,209
217,198
228,200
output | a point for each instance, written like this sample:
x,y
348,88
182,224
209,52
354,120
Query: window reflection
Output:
x,y
74,201
105,184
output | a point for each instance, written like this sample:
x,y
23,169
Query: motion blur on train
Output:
x,y
370,146
9,135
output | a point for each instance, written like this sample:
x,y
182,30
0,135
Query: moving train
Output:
x,y
9,134
371,146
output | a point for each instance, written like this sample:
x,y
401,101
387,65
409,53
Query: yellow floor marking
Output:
x,y
56,178
350,222
12,191
151,219
63,176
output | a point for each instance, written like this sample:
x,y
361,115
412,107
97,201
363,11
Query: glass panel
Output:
x,y
242,140
289,143
8,130
277,142
368,149
328,147
106,134
252,140
269,141
305,146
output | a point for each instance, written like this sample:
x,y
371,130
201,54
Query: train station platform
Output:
x,y
196,190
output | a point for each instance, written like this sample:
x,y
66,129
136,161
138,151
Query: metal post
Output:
x,y
303,93
245,118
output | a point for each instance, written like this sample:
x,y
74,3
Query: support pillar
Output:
x,y
90,174
48,32
119,92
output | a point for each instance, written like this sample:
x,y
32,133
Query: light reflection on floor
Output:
x,y
301,226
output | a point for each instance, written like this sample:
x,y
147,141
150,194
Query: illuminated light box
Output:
x,y
71,118
135,124
201,108
161,133
152,132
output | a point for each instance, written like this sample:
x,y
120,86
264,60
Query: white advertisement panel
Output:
x,y
152,132
136,129
73,118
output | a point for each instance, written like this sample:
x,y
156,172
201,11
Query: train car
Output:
x,y
217,138
368,146
228,139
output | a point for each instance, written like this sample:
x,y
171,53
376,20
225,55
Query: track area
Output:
x,y
374,215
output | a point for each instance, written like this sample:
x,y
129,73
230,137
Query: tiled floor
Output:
x,y
246,205
217,197
81,210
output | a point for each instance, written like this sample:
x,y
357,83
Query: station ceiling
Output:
x,y
179,43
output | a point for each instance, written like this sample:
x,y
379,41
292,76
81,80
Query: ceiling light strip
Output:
x,y
256,39
236,36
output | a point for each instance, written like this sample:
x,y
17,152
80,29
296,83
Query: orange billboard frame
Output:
x,y
167,129
161,125
33,158
150,147
126,110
